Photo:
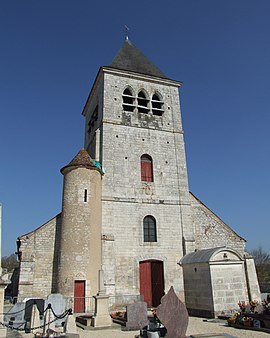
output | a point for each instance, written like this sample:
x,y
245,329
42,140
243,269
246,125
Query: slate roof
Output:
x,y
131,59
81,160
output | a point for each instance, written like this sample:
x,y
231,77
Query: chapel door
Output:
x,y
152,282
79,296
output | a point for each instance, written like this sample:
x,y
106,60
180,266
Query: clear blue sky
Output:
x,y
50,54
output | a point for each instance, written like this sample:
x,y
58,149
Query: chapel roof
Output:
x,y
205,255
82,160
130,58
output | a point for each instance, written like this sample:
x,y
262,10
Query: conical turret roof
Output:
x,y
82,160
131,59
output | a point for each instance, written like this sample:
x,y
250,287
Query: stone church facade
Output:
x,y
127,213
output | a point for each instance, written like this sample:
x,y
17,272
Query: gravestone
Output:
x,y
173,315
35,320
137,316
15,317
58,305
28,311
29,305
70,327
57,302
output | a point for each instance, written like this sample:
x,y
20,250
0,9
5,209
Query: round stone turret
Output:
x,y
80,240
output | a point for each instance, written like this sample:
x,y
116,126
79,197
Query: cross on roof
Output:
x,y
126,32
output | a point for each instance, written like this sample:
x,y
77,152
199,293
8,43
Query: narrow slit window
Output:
x,y
85,195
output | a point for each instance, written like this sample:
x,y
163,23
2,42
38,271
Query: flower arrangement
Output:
x,y
242,317
118,314
252,306
155,317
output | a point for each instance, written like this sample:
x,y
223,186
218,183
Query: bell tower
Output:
x,y
133,128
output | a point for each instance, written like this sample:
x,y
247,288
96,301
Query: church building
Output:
x,y
128,217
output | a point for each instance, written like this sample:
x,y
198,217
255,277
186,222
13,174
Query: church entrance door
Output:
x,y
79,296
152,282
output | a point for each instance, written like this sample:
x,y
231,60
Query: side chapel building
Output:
x,y
127,210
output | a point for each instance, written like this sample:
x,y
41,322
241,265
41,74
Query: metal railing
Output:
x,y
81,304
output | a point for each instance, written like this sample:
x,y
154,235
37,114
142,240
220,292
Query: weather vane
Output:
x,y
126,32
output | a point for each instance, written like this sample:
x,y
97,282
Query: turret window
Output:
x,y
157,105
128,100
85,195
143,103
146,168
149,229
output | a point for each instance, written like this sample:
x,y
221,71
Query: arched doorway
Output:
x,y
152,281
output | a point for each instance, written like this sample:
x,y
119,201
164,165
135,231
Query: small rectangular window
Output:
x,y
85,195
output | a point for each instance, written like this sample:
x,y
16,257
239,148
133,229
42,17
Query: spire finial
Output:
x,y
126,32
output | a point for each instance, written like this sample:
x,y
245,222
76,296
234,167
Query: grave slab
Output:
x,y
212,335
137,316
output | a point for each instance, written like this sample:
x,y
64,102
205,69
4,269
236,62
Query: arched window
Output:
x,y
143,103
128,100
147,168
149,229
157,105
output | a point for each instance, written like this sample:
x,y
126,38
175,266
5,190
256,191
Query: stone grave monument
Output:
x,y
137,316
173,315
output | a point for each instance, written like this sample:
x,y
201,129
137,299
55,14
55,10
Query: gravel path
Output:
x,y
196,326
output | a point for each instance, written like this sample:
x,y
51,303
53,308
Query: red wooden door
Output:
x,y
157,279
152,282
145,282
79,296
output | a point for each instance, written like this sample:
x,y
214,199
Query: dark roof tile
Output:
x,y
131,59
81,160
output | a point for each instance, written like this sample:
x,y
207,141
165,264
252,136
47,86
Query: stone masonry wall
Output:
x,y
198,290
229,286
126,136
211,231
37,257
126,248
